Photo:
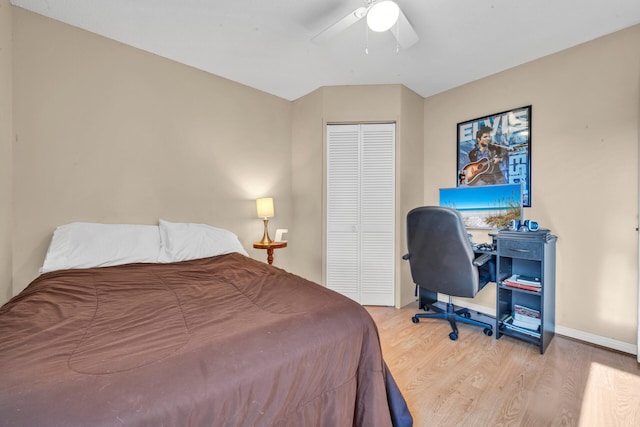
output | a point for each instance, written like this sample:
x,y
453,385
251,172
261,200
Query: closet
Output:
x,y
360,212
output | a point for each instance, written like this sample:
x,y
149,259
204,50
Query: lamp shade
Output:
x,y
265,207
383,15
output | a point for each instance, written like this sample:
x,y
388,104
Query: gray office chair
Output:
x,y
442,260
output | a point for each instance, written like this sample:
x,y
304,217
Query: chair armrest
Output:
x,y
482,259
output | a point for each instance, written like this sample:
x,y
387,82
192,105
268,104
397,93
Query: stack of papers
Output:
x,y
526,317
508,323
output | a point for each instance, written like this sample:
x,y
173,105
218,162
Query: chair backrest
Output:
x,y
440,252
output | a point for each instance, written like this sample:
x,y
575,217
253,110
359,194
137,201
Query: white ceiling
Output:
x,y
267,44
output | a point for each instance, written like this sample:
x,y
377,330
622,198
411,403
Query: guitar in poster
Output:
x,y
472,172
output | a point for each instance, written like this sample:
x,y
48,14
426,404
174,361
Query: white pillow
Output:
x,y
87,245
181,241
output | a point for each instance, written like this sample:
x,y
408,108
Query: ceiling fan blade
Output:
x,y
341,25
404,32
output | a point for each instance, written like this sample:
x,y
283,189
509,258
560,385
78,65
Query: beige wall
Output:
x,y
109,133
307,178
354,104
584,169
411,181
6,124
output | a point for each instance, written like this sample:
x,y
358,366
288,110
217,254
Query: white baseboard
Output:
x,y
598,340
622,346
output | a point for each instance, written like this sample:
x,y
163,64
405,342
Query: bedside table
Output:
x,y
270,247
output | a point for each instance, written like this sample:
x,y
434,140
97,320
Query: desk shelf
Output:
x,y
526,254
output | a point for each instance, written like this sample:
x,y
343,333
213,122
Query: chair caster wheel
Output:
x,y
488,331
467,315
453,336
414,319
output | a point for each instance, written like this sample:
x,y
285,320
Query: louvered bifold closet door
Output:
x,y
343,192
360,212
377,208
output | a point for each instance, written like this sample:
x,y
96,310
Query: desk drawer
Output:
x,y
519,249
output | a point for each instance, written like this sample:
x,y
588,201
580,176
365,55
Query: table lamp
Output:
x,y
265,211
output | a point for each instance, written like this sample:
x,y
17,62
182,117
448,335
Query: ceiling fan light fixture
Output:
x,y
383,15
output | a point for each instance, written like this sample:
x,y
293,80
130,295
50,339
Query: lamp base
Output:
x,y
265,237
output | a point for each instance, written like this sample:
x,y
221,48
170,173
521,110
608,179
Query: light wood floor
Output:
x,y
480,381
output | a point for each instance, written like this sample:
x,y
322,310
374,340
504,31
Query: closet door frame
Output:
x,y
359,238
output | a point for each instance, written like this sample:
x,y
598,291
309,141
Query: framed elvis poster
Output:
x,y
496,149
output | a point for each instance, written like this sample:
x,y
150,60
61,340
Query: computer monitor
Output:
x,y
485,206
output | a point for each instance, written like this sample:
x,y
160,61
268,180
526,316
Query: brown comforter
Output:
x,y
222,341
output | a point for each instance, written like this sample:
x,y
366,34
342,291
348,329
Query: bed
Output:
x,y
216,340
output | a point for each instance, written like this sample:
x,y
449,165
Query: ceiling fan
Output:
x,y
382,15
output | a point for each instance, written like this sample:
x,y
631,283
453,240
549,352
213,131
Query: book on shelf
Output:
x,y
529,284
526,317
520,311
526,280
521,286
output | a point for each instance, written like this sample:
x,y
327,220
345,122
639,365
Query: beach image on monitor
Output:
x,y
485,206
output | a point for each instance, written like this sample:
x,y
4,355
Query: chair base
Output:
x,y
453,316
